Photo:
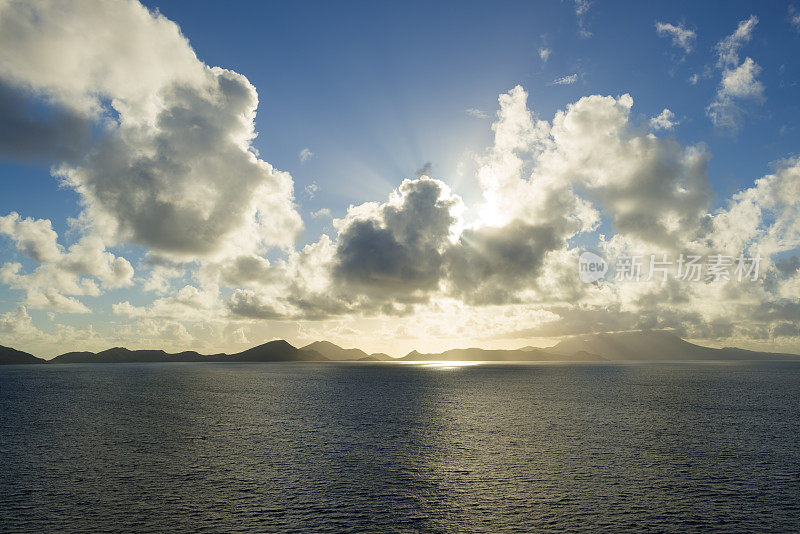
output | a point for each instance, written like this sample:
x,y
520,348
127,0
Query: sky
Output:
x,y
396,175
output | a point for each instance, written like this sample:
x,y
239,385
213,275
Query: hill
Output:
x,y
123,355
338,354
9,356
273,351
277,351
656,345
653,346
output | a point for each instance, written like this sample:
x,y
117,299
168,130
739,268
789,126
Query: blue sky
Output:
x,y
376,90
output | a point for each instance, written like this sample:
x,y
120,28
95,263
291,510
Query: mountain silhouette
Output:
x,y
9,356
336,353
655,345
277,351
622,346
273,351
123,355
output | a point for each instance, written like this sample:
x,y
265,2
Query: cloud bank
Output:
x,y
158,146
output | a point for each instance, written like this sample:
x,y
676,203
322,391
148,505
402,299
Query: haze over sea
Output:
x,y
389,447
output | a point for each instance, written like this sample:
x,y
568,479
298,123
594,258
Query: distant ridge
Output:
x,y
9,356
484,355
277,351
273,351
654,345
337,353
123,355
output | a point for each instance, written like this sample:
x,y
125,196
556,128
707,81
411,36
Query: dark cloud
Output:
x,y
425,170
246,303
490,265
32,129
788,267
398,250
187,185
786,330
404,251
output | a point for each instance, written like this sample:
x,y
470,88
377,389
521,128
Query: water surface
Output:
x,y
400,448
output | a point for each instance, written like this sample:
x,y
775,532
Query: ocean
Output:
x,y
389,447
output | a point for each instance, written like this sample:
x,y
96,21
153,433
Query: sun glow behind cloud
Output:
x,y
474,243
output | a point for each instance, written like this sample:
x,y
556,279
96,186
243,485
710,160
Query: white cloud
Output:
x,y
739,80
395,257
544,54
311,189
664,121
566,80
477,113
75,271
681,36
305,155
17,323
173,169
581,9
728,48
34,238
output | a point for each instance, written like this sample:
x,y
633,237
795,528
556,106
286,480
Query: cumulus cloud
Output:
x,y
566,80
159,147
682,37
664,120
650,188
739,80
28,134
190,303
248,303
492,265
33,237
397,247
764,218
172,167
396,256
17,323
84,269
737,84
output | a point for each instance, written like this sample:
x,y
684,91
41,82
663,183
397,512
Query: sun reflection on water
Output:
x,y
448,365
